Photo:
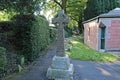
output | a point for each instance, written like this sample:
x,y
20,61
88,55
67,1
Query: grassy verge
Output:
x,y
82,52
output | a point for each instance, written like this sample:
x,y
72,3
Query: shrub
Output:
x,y
31,35
53,32
68,32
6,26
21,63
2,58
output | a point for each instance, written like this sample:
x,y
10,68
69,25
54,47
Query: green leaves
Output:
x,y
31,35
97,7
3,59
21,63
73,8
22,6
20,68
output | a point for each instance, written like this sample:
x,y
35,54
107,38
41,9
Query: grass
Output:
x,y
82,52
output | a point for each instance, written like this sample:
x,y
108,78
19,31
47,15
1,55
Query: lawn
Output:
x,y
80,51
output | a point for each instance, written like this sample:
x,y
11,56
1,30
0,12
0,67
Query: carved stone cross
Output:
x,y
60,69
60,20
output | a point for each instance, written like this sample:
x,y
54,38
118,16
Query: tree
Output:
x,y
61,3
75,10
97,7
22,6
72,8
91,9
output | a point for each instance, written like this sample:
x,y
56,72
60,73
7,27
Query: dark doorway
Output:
x,y
102,38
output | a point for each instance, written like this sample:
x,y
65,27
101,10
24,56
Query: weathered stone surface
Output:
x,y
60,62
61,20
60,69
59,74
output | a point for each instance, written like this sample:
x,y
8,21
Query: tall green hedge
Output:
x,y
5,26
2,57
31,35
53,34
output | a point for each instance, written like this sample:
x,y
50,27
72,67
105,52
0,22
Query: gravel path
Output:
x,y
84,70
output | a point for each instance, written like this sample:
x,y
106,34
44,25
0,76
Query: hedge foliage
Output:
x,y
3,59
53,34
31,35
6,26
68,32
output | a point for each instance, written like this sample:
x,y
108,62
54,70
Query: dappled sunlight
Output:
x,y
68,53
104,72
75,42
80,66
82,52
108,58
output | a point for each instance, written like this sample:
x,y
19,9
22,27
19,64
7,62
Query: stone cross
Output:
x,y
60,69
60,20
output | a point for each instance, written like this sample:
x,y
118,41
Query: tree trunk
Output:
x,y
64,2
80,26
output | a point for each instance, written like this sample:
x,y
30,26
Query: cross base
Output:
x,y
61,71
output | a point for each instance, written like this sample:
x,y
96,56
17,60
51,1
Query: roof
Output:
x,y
115,13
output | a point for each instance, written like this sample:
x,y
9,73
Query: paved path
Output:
x,y
84,70
39,70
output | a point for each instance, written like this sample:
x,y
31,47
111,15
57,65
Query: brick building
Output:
x,y
103,31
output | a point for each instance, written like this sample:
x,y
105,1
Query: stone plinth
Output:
x,y
61,69
60,62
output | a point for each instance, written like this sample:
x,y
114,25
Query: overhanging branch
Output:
x,y
58,3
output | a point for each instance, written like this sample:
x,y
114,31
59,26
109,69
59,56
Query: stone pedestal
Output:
x,y
60,69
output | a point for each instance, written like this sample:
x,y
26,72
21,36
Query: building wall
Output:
x,y
114,32
91,34
112,39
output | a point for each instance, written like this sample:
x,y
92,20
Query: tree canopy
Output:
x,y
74,9
22,6
96,7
